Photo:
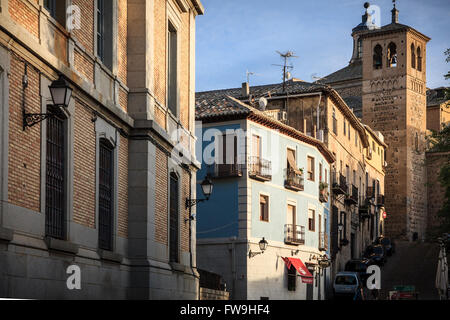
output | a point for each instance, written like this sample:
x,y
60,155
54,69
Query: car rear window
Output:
x,y
345,280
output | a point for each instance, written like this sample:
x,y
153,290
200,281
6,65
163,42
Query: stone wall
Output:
x,y
209,294
436,193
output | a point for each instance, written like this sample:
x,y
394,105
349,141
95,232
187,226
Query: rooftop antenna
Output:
x,y
286,74
316,78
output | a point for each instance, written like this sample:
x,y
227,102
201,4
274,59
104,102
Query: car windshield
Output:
x,y
346,280
385,242
378,250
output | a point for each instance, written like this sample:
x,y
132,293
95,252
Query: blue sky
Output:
x,y
238,35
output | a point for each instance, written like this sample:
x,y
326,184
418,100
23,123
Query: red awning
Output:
x,y
307,277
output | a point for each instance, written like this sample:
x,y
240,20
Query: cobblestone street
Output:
x,y
412,264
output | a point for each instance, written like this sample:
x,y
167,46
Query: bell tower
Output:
x,y
394,102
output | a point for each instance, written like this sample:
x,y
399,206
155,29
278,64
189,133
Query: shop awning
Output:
x,y
306,276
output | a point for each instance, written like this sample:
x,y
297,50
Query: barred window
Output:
x,y
106,205
174,218
55,179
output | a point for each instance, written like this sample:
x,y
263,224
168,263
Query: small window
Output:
x,y
334,122
104,32
311,220
264,208
345,128
311,169
413,56
419,59
172,72
392,55
320,172
377,57
57,10
359,48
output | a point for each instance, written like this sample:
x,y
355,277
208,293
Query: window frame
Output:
x,y
266,213
60,230
311,173
105,146
174,218
312,222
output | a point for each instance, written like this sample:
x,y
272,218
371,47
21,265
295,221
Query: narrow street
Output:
x,y
412,264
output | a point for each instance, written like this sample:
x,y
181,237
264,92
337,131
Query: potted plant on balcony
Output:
x,y
323,191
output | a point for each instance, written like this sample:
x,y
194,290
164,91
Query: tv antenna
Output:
x,y
249,73
286,74
316,78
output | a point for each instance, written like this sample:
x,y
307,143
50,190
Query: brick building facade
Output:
x,y
108,160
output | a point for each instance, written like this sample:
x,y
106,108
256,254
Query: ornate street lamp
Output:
x,y
207,188
262,246
61,94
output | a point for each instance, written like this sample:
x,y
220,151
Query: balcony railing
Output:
x,y
294,181
259,169
323,241
225,170
352,198
339,183
365,205
294,234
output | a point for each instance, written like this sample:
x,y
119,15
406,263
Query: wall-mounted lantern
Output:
x,y
207,188
61,94
262,246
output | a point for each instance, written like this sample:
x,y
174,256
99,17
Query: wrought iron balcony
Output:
x,y
365,205
352,198
294,234
225,170
259,169
294,181
323,241
339,183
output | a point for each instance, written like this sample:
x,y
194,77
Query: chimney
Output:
x,y
245,89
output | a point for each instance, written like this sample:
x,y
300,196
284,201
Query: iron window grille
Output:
x,y
55,179
105,208
174,218
100,29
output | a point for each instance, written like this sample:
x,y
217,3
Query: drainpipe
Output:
x,y
190,235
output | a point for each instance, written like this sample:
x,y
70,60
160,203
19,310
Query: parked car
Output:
x,y
346,284
387,243
359,266
376,254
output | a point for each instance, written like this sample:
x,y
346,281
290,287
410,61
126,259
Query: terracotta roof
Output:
x,y
351,72
214,105
292,87
228,107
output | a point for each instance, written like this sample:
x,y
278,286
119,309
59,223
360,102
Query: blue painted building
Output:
x,y
270,187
